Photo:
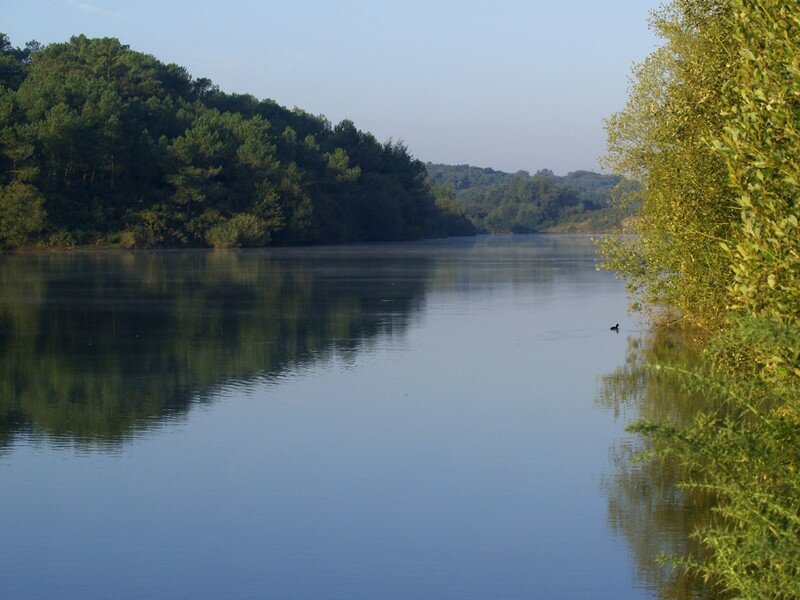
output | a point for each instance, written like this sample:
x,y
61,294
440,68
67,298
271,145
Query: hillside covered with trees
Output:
x,y
500,202
100,144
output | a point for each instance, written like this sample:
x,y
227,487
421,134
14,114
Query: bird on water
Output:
x,y
615,327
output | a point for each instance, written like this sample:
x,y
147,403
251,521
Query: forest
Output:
x,y
499,202
103,145
711,135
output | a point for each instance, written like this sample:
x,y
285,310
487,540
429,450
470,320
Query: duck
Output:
x,y
615,327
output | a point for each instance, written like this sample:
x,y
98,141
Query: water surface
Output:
x,y
382,421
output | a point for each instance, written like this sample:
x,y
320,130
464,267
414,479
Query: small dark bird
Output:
x,y
615,327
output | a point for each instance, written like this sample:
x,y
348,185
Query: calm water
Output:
x,y
431,420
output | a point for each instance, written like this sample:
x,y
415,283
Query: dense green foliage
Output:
x,y
661,140
743,449
501,202
711,131
101,144
466,177
761,149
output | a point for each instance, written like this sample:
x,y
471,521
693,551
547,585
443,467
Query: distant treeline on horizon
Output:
x,y
498,202
103,145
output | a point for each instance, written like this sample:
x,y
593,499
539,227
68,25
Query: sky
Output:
x,y
508,84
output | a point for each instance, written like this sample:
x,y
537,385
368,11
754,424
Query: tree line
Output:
x,y
500,202
100,144
711,133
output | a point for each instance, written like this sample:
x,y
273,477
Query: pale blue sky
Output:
x,y
508,84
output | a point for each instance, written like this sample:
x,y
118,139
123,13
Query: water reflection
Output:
x,y
94,347
646,506
385,421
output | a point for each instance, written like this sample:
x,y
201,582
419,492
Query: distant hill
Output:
x,y
500,202
466,177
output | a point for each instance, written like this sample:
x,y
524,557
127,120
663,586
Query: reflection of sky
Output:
x,y
460,459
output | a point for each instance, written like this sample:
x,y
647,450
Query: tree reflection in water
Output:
x,y
646,505
97,347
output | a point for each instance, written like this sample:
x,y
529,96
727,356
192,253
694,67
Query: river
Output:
x,y
439,419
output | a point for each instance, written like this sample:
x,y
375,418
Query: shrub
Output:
x,y
241,231
22,215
